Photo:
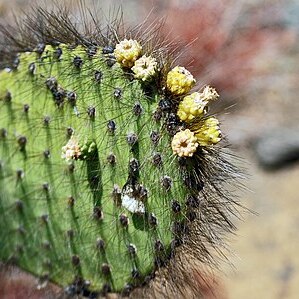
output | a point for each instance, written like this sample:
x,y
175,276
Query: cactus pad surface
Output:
x,y
100,178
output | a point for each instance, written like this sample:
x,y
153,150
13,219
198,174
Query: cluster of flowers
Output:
x,y
191,110
179,82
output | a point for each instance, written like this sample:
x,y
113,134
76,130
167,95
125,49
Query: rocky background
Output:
x,y
249,51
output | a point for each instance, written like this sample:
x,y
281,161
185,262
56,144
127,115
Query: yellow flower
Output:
x,y
179,80
209,133
194,105
127,52
184,143
144,67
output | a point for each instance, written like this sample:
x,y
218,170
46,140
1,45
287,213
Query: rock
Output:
x,y
277,148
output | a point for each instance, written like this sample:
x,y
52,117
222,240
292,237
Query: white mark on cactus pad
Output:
x,y
131,202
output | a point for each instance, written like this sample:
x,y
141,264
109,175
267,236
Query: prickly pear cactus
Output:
x,y
107,159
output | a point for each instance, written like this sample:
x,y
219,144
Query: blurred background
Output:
x,y
248,50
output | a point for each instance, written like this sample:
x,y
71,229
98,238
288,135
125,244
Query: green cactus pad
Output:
x,y
65,218
100,178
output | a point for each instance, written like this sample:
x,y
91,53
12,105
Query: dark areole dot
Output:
x,y
70,290
91,112
132,138
31,68
71,168
111,126
19,204
47,154
132,249
55,43
106,289
108,50
26,108
78,62
40,47
100,244
175,207
46,187
152,220
117,93
71,97
98,213
16,63
192,202
7,97
182,161
69,131
157,159
22,141
137,109
111,159
98,75
70,201
91,51
105,269
110,60
75,260
172,123
157,115
44,218
165,105
127,290
166,182
135,274
155,137
47,120
57,53
133,167
70,233
124,220
59,96
20,174
116,195
158,246
3,133
191,215
52,84
142,192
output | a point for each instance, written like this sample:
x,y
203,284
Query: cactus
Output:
x,y
101,177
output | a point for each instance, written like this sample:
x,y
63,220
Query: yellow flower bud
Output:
x,y
179,80
144,67
184,143
209,133
127,52
194,105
